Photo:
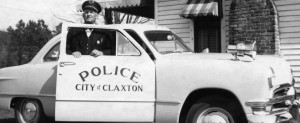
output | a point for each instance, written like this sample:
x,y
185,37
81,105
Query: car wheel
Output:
x,y
29,111
214,110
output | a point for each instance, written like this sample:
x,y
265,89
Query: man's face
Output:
x,y
89,16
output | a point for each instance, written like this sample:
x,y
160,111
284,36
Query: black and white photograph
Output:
x,y
150,61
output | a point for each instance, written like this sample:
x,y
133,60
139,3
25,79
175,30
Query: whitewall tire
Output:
x,y
29,111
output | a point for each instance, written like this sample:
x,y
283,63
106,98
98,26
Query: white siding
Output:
x,y
289,27
225,24
168,12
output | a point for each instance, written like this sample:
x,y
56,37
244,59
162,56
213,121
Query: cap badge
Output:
x,y
91,1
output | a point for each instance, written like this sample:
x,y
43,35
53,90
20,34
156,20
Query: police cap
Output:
x,y
92,5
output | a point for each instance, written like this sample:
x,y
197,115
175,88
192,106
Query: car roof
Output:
x,y
140,26
137,27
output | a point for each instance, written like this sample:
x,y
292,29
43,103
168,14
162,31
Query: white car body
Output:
x,y
137,88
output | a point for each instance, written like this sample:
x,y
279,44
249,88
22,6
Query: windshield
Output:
x,y
166,42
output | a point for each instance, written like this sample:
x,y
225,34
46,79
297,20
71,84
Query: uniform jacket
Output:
x,y
79,41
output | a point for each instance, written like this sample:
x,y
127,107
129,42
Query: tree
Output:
x,y
27,39
57,29
4,39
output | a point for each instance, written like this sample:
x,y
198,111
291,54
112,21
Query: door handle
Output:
x,y
62,64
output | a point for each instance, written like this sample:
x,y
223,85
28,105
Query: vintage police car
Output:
x,y
151,76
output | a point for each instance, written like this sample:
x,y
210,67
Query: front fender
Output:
x,y
5,102
176,79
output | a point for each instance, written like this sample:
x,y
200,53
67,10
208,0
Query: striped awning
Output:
x,y
196,8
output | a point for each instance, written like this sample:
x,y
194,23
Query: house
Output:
x,y
213,24
273,24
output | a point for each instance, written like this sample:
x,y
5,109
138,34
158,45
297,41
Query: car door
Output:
x,y
112,88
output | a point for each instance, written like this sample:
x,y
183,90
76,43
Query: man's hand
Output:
x,y
76,54
96,53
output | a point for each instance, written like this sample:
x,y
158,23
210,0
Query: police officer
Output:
x,y
88,41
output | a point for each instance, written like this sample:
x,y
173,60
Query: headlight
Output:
x,y
294,81
271,77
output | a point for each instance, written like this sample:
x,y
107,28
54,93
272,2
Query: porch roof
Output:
x,y
143,8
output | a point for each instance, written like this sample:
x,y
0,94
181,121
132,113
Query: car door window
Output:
x,y
109,41
52,54
139,40
79,40
125,47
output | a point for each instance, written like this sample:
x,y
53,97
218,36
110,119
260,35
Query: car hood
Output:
x,y
215,56
271,65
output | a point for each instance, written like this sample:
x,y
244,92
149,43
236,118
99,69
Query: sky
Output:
x,y
51,11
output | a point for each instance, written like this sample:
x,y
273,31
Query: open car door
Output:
x,y
116,87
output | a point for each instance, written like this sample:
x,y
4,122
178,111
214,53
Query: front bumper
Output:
x,y
275,109
283,118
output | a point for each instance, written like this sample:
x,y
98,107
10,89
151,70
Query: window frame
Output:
x,y
138,50
56,44
139,53
179,39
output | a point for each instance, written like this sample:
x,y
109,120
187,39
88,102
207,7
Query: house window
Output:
x,y
207,34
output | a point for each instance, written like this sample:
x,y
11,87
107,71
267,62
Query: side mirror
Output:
x,y
242,49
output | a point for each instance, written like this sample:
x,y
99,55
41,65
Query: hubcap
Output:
x,y
29,111
215,115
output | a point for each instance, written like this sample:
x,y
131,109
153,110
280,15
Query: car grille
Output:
x,y
283,96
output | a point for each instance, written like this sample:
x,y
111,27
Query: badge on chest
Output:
x,y
99,41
